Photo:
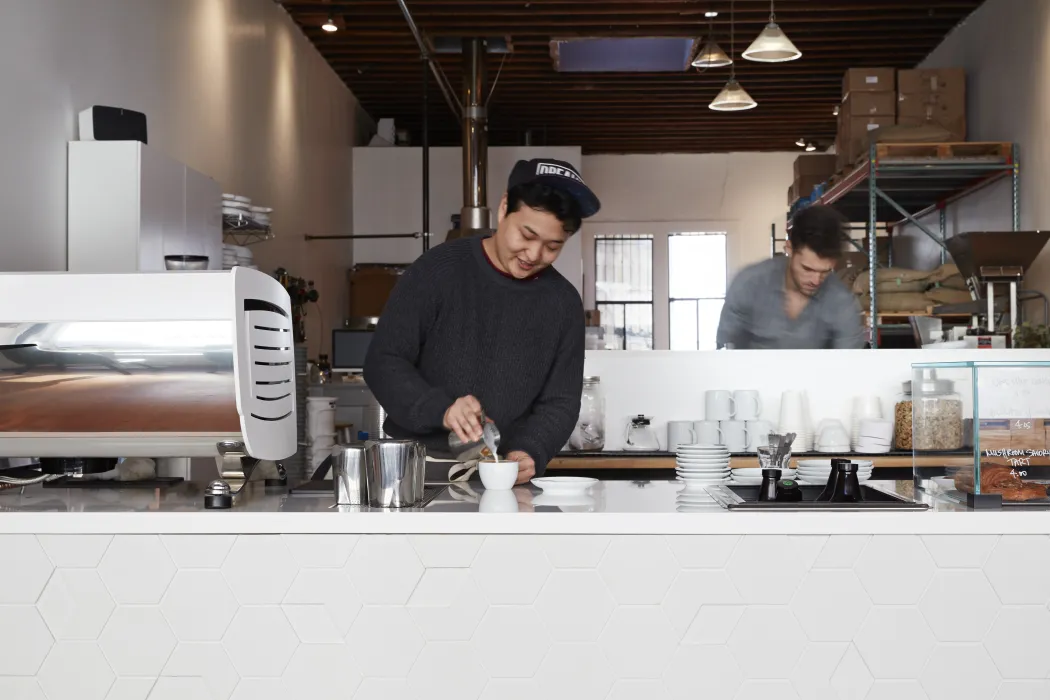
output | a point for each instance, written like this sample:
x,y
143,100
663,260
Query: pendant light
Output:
x,y
733,98
712,55
772,45
330,25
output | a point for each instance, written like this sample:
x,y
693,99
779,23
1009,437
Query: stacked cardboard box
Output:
x,y
933,97
876,98
869,101
810,171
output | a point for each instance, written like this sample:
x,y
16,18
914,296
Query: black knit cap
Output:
x,y
559,175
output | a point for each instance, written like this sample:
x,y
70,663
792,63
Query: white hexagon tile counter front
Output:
x,y
960,671
206,660
321,605
958,552
259,569
321,672
895,569
638,641
765,569
259,641
575,605
136,569
895,642
447,605
693,588
199,605
1019,642
1019,569
638,570
75,551
851,679
446,670
384,569
137,641
575,551
767,642
706,552
960,605
24,640
702,671
198,551
24,582
510,569
20,688
511,641
446,551
384,641
76,604
75,671
830,605
575,672
321,551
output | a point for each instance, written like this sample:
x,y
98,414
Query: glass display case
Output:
x,y
999,413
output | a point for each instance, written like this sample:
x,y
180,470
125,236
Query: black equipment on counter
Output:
x,y
112,124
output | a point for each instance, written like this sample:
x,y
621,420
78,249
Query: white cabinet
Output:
x,y
130,205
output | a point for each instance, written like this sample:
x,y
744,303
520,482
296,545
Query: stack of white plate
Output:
x,y
753,476
261,215
237,256
699,466
236,205
817,471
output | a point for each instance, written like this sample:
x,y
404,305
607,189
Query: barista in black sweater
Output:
x,y
488,323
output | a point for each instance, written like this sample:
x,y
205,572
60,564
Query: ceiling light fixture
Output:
x,y
329,25
801,143
772,45
810,147
733,98
835,111
712,55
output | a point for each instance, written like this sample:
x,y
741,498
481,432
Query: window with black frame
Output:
x,y
623,285
697,288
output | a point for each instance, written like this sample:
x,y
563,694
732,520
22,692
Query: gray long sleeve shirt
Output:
x,y
754,315
454,326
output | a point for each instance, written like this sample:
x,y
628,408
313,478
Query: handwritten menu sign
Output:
x,y
1013,410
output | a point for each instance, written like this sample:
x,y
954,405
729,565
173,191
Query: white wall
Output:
x,y
230,87
1005,48
388,197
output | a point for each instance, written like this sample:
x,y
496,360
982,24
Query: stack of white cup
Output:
x,y
864,408
794,418
320,427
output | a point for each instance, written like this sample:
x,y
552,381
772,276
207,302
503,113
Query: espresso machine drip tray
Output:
x,y
745,498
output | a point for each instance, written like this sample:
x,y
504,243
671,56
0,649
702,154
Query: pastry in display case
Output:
x,y
1008,406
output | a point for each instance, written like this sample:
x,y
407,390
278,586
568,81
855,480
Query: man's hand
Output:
x,y
526,465
464,419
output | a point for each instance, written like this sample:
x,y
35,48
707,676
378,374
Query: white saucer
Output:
x,y
564,485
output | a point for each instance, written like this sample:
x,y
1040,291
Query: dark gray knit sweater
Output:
x,y
454,325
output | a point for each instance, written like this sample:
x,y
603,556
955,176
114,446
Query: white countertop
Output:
x,y
615,507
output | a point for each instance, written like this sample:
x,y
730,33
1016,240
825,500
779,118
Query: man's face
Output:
x,y
807,269
528,240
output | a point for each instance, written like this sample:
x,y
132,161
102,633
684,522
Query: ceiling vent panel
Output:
x,y
623,55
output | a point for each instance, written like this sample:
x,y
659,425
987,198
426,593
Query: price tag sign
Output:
x,y
1013,409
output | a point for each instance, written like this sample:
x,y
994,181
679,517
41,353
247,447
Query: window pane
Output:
x,y
612,322
697,265
639,319
683,325
708,313
623,268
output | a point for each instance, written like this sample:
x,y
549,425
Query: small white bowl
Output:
x,y
498,476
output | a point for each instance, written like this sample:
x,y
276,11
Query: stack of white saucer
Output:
x,y
753,476
237,256
699,466
236,205
817,471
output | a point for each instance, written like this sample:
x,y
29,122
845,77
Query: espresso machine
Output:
x,y
173,365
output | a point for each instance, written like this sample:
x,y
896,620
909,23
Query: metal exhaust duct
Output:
x,y
475,218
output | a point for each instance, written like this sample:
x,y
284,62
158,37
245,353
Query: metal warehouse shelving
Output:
x,y
899,184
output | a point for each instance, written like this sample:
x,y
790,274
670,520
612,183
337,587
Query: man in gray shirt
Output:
x,y
795,302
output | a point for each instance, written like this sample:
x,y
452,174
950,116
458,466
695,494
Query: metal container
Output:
x,y
394,471
348,475
185,262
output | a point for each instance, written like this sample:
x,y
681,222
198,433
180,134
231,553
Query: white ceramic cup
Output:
x,y
680,432
498,476
747,404
879,430
792,411
718,405
758,434
736,435
708,432
497,501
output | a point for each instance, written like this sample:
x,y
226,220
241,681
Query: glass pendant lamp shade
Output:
x,y
711,56
733,98
772,46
